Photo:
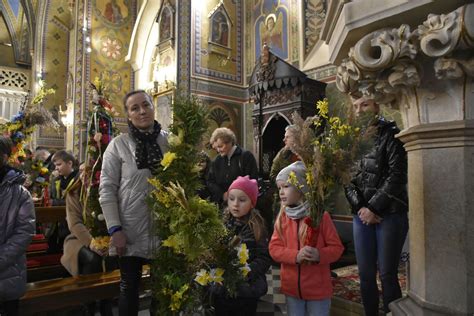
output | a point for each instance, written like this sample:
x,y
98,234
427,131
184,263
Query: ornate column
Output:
x,y
428,74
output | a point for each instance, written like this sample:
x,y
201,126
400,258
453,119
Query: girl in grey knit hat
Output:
x,y
305,268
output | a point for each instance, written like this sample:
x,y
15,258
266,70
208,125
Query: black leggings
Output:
x,y
130,276
90,262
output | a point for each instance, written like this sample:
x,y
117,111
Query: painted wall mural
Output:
x,y
314,15
184,46
113,13
271,26
218,40
111,25
224,114
54,63
294,31
56,50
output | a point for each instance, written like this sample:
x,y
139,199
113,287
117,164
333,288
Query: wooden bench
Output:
x,y
50,214
55,294
41,264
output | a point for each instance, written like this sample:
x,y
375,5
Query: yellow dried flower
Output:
x,y
202,277
101,243
245,270
323,107
309,178
168,159
243,253
216,275
292,179
177,298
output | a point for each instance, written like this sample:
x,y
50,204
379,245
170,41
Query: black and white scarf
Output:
x,y
148,153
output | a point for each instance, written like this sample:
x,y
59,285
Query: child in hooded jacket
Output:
x,y
248,226
305,272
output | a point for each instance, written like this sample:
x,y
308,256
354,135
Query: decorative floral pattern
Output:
x,y
111,48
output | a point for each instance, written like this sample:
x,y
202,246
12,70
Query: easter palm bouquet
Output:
x,y
196,251
101,130
22,125
329,146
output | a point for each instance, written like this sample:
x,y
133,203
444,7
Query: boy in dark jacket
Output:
x,y
68,174
17,227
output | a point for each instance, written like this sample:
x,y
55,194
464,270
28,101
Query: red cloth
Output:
x,y
38,237
44,260
315,279
37,247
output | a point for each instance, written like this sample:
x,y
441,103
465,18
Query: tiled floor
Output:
x,y
274,302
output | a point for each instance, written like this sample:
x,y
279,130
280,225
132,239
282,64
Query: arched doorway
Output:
x,y
272,141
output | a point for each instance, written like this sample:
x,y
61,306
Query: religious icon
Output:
x,y
272,32
165,25
220,30
112,12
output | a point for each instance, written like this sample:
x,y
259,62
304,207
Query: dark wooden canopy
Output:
x,y
278,89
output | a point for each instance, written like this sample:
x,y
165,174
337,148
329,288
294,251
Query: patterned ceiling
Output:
x,y
16,17
4,34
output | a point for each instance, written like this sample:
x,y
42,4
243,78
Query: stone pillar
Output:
x,y
441,170
428,73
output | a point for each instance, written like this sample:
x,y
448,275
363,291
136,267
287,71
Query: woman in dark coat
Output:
x,y
231,162
379,201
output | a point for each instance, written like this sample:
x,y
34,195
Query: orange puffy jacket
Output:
x,y
305,281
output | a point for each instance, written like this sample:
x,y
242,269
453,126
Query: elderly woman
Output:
x,y
17,227
130,159
231,162
285,156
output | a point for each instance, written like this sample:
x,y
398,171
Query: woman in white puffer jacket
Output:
x,y
129,161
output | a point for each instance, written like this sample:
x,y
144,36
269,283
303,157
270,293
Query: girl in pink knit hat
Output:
x,y
247,224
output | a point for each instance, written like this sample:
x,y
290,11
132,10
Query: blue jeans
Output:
x,y
298,307
380,243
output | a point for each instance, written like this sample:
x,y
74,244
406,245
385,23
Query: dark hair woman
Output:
x,y
129,160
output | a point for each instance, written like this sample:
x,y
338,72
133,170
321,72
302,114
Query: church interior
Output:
x,y
252,64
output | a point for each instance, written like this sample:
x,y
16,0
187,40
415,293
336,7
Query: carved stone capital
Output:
x,y
380,65
441,34
450,37
385,64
